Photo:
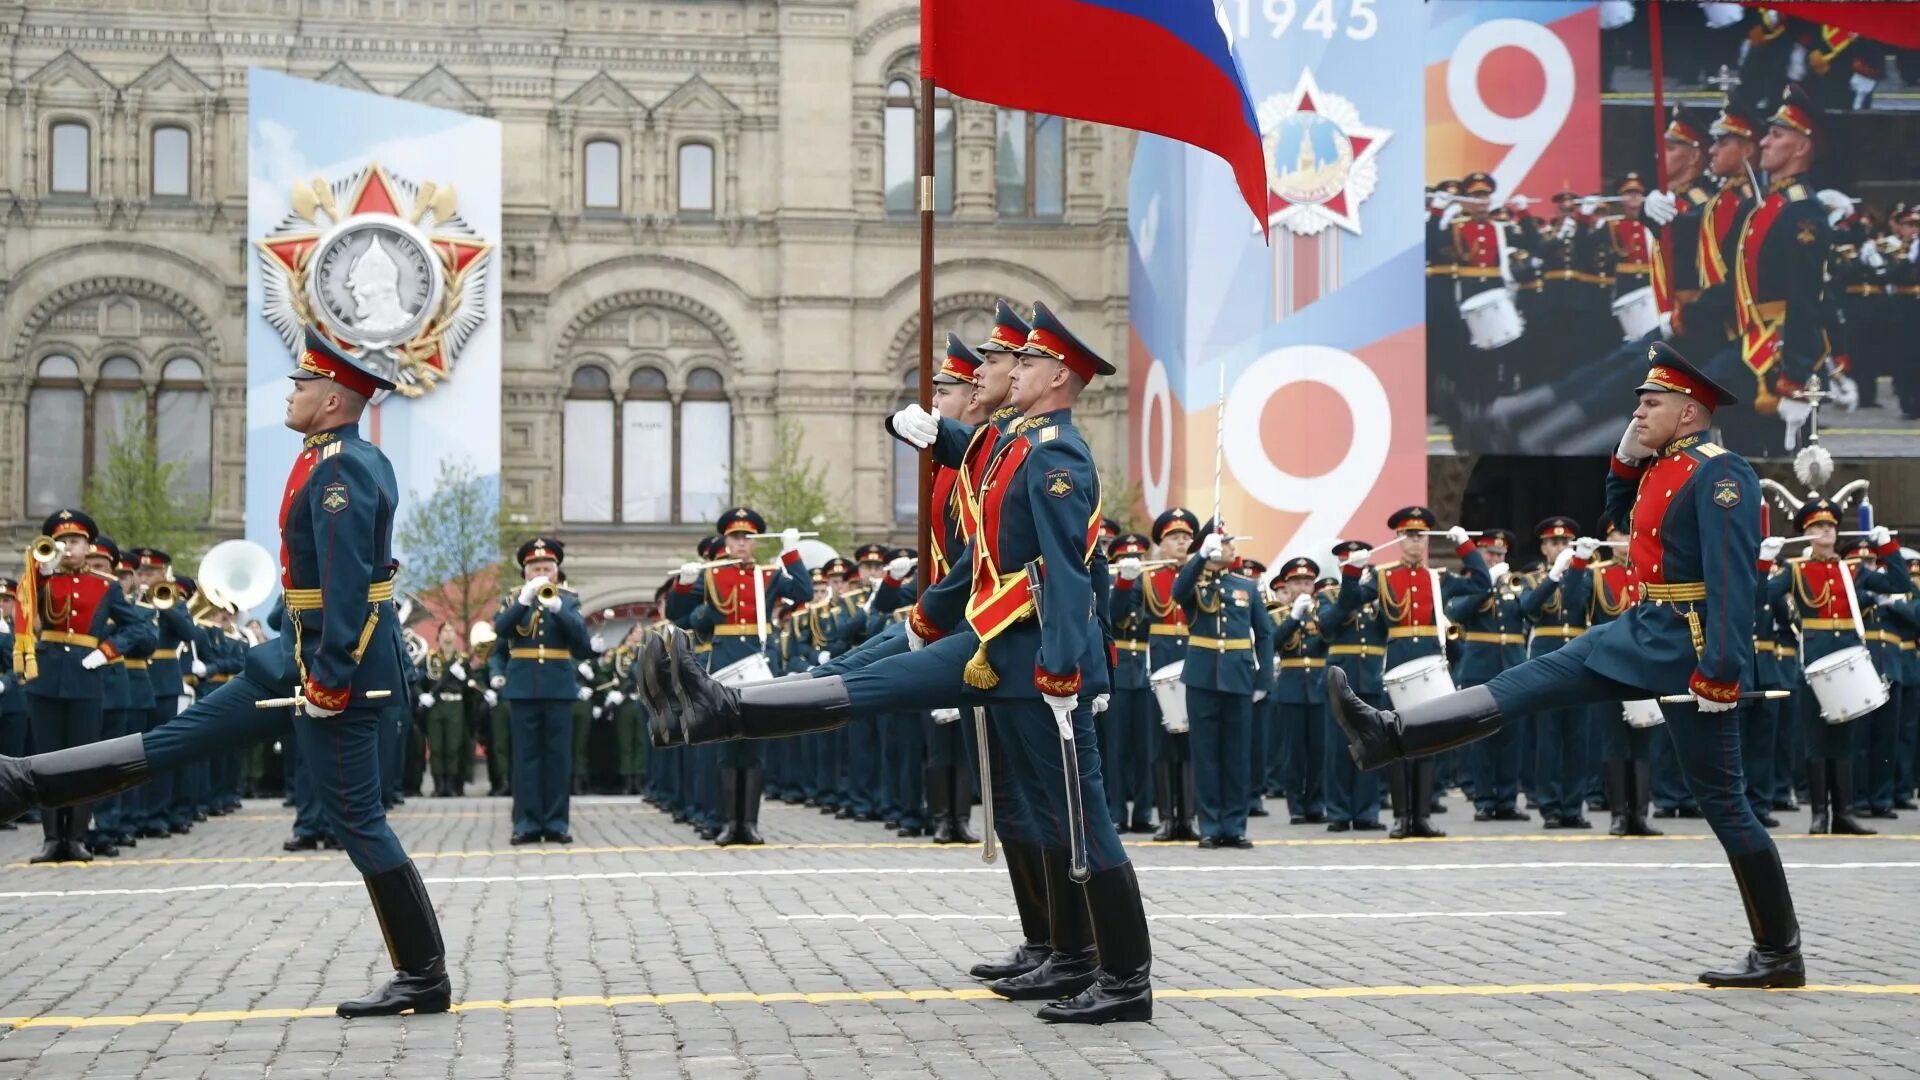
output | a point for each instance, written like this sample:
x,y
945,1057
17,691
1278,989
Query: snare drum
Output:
x,y
1638,313
1846,684
1492,319
1171,693
1644,713
1418,681
747,669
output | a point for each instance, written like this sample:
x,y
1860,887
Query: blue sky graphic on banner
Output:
x,y
394,247
1318,339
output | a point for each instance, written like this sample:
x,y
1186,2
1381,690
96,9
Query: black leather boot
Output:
x,y
51,847
1614,776
1639,797
709,712
1397,797
420,984
1818,823
752,786
1376,737
729,785
1842,792
959,805
939,801
1163,801
77,774
1124,988
1184,807
1774,960
1418,827
1074,963
1027,869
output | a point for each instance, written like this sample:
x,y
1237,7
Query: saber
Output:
x,y
1750,695
988,849
300,699
1219,447
1069,760
775,536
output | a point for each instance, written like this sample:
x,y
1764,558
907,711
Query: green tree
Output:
x,y
137,499
793,491
452,543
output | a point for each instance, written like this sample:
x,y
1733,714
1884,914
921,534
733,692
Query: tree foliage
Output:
x,y
793,491
139,501
452,542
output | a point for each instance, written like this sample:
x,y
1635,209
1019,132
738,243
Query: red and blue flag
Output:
x,y
1163,66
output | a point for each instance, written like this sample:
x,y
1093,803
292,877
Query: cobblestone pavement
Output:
x,y
837,951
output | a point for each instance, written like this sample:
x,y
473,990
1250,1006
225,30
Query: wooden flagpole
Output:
x,y
927,193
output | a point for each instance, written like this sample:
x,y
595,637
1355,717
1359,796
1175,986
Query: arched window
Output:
x,y
1030,165
70,164
57,448
119,409
601,175
696,178
706,446
901,166
172,158
906,462
646,448
183,424
586,433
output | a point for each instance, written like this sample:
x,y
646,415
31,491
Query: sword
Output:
x,y
1069,758
988,850
1750,695
299,699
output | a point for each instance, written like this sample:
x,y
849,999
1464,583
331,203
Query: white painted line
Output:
x,y
926,871
1228,916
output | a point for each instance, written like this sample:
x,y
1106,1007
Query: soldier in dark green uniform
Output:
x,y
544,635
1355,644
629,727
443,692
1300,659
1126,728
1230,642
1492,639
1555,604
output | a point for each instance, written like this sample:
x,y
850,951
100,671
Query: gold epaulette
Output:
x,y
1711,450
1795,191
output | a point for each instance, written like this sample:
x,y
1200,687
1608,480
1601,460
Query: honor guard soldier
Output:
x,y
1409,601
1493,638
340,646
1356,643
1555,605
1229,646
443,694
545,636
1173,778
1815,583
1633,251
1015,623
1299,689
1695,514
1126,728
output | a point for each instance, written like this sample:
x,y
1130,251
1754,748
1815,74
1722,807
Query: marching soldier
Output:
x,y
1126,726
1230,644
176,801
1555,604
1356,642
342,649
1173,769
1298,693
546,636
1493,638
101,839
443,694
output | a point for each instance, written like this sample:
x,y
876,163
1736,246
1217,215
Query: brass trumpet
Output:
x,y
44,551
548,591
163,595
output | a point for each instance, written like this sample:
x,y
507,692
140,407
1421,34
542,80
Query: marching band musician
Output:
x,y
1173,769
1694,508
102,837
629,727
1814,583
1355,643
1126,727
1409,599
443,694
1555,605
1874,746
546,636
342,649
1493,638
1261,759
1229,645
1626,760
492,721
182,793
1298,693
1633,251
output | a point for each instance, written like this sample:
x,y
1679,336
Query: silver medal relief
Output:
x,y
374,280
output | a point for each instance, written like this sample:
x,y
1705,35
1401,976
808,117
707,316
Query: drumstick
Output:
x,y
301,699
1751,695
776,536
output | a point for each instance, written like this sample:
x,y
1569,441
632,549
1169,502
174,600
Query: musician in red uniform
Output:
x,y
1173,786
80,622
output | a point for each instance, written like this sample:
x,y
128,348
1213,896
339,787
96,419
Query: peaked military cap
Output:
x,y
1631,184
900,553
1050,337
961,364
1736,119
837,567
1299,567
741,519
1252,567
1682,127
711,547
871,553
1175,519
322,359
1127,544
104,546
1496,538
1411,518
1009,330
1670,372
1347,547
1816,511
542,547
1797,112
153,558
69,523
1559,525
1477,183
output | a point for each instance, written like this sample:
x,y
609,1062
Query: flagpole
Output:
x,y
926,192
1665,256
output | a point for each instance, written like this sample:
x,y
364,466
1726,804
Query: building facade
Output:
x,y
708,231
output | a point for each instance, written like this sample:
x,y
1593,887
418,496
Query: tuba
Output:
x,y
237,574
417,647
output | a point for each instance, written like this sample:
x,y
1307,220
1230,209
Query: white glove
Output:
x,y
1358,557
1719,16
458,671
531,587
1129,568
1457,536
1887,600
1569,226
1560,564
199,668
1661,207
789,539
1452,211
585,693
551,603
689,573
1259,696
1498,572
597,711
1590,205
319,712
1707,706
426,700
1838,205
1519,203
615,697
1068,704
1438,201
1862,89
914,641
901,568
945,716
916,427
1844,392
1630,452
1615,14
498,682
1795,414
827,657
597,643
1879,536
492,698
1211,547
3,686
1099,704
586,670
93,661
1301,606
1870,254
1584,548
1770,548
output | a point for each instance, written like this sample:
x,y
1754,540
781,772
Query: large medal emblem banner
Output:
x,y
376,220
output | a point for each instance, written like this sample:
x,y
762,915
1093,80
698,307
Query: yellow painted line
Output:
x,y
970,993
532,851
